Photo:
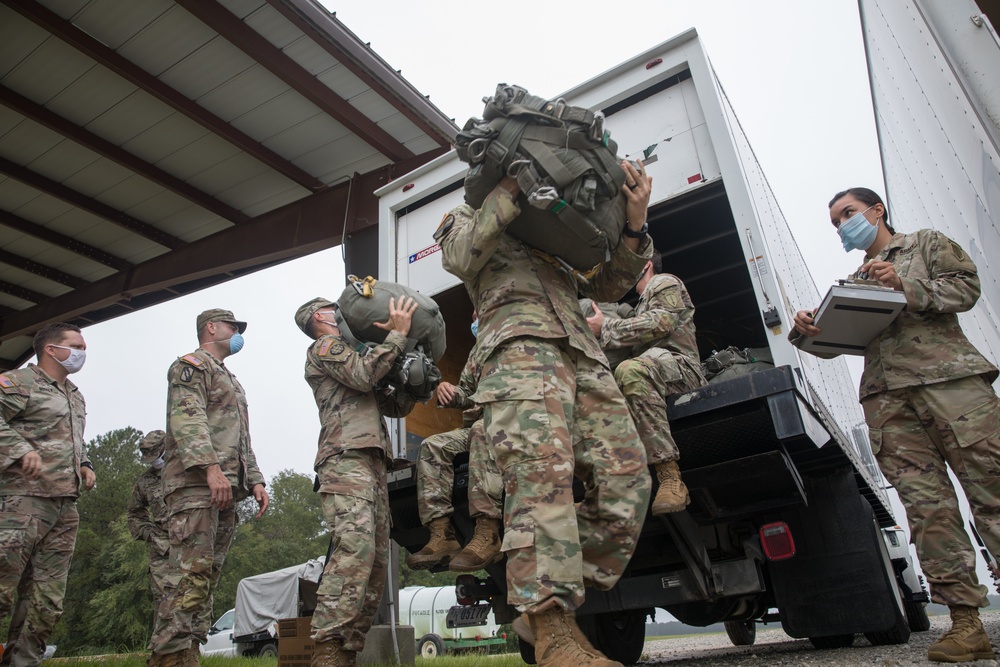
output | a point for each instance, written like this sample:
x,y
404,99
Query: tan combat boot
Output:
x,y
965,642
332,654
482,550
556,643
439,550
672,496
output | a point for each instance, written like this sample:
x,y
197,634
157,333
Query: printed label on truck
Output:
x,y
426,252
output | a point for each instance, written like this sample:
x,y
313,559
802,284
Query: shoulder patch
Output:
x,y
6,382
193,360
446,224
9,384
187,374
957,250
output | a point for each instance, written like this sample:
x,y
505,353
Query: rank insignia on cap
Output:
x,y
6,382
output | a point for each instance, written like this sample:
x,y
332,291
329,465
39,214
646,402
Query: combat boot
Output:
x,y
439,550
672,496
965,642
332,654
482,550
556,643
522,626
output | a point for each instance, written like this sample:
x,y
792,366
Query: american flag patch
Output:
x,y
191,359
6,382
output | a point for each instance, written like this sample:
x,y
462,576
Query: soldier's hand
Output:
x,y
804,323
89,478
31,465
263,500
636,190
400,315
596,321
222,492
445,394
884,272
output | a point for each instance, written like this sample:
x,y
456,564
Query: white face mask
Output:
x,y
158,463
75,361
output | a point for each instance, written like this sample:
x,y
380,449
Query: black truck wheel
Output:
x,y
833,641
916,616
742,633
618,635
268,650
430,646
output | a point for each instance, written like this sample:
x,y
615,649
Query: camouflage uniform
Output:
x,y
664,360
551,409
38,517
147,516
354,449
929,405
207,423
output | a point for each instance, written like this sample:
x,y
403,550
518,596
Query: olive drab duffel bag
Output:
x,y
571,205
366,301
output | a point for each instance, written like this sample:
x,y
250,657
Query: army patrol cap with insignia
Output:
x,y
306,311
220,315
151,446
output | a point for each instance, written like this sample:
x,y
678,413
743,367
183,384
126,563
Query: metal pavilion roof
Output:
x,y
150,149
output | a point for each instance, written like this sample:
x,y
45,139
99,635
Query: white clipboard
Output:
x,y
851,316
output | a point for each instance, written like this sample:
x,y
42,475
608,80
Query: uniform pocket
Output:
x,y
518,537
976,425
510,385
17,534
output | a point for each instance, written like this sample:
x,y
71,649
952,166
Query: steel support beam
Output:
x,y
22,293
291,231
105,148
88,204
333,37
131,72
42,270
248,40
69,243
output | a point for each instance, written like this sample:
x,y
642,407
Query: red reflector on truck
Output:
x,y
776,539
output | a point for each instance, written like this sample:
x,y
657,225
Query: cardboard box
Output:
x,y
295,646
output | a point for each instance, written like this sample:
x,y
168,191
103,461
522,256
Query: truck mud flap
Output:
x,y
744,486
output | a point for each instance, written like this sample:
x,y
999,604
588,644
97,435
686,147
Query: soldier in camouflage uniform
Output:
x,y
664,361
210,466
435,479
926,394
147,514
43,467
351,464
551,411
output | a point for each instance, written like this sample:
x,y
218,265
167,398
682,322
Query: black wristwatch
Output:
x,y
636,235
87,464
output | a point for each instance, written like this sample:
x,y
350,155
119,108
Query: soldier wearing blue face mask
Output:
x,y
929,406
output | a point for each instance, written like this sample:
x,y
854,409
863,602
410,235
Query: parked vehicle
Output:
x,y
789,510
426,609
251,628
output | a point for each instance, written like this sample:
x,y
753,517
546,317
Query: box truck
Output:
x,y
789,519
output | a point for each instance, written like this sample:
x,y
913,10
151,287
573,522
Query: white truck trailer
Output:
x,y
789,518
426,609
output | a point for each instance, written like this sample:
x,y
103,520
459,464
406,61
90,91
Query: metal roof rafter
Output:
x,y
88,204
131,72
8,219
22,292
42,270
248,40
103,147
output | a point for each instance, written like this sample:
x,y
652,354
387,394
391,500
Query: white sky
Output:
x,y
794,71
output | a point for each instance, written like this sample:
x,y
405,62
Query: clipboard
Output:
x,y
852,315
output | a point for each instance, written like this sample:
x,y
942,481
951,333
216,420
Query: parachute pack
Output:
x,y
366,301
733,362
566,166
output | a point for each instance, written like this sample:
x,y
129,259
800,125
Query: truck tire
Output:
x,y
916,616
527,652
268,650
619,635
832,641
430,646
742,633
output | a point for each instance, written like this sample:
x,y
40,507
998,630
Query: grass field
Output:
x,y
139,660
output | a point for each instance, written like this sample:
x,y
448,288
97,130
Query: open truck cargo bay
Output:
x,y
784,445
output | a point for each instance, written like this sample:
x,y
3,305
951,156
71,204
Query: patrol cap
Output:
x,y
220,315
306,311
151,446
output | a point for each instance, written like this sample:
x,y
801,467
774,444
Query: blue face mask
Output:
x,y
235,343
856,233
475,328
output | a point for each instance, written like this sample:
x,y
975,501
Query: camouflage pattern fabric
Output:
x,y
551,408
350,398
917,434
37,536
38,414
925,344
147,521
664,361
552,413
436,474
200,537
356,508
207,423
611,311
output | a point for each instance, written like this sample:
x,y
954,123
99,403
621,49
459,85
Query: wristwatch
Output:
x,y
636,235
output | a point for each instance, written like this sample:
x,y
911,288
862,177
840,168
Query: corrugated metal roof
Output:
x,y
139,138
